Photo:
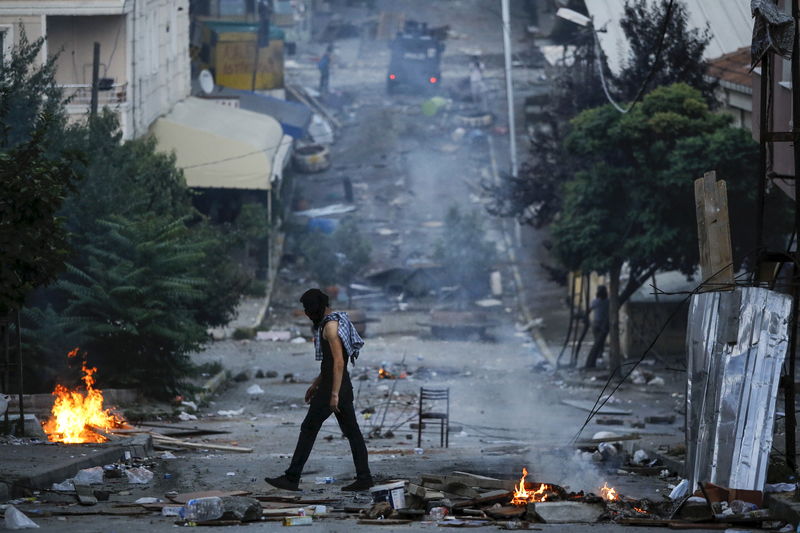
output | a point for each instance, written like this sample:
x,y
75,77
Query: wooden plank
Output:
x,y
198,445
488,497
724,247
186,496
702,235
588,405
481,482
715,239
384,522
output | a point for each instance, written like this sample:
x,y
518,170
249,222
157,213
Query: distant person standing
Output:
x,y
324,66
599,312
476,85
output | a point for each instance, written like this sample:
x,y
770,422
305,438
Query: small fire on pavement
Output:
x,y
523,496
608,493
74,412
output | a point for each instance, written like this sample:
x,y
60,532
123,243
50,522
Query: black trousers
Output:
x,y
599,333
318,412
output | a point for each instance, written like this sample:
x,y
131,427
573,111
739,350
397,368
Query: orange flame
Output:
x,y
523,496
608,493
74,413
385,374
642,511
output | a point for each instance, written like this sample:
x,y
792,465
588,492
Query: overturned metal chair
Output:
x,y
434,395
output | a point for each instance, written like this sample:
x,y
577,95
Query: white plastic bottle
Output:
x,y
202,509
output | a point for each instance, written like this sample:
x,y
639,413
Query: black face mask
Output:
x,y
316,316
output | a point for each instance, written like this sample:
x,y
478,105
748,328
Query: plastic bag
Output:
x,y
16,519
89,476
680,490
139,475
64,486
255,389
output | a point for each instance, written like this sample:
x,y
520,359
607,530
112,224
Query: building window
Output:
x,y
5,45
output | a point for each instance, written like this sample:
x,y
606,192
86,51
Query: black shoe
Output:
x,y
359,485
283,482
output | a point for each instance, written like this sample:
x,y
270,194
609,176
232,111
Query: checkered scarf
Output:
x,y
351,340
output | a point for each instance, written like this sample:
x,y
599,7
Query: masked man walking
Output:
x,y
335,341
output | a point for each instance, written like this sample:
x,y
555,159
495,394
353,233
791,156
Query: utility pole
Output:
x,y
791,421
512,134
95,78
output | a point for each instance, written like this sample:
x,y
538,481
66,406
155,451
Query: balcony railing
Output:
x,y
116,93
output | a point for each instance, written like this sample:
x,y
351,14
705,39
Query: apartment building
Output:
x,y
144,52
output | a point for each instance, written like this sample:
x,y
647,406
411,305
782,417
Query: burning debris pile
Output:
x,y
79,417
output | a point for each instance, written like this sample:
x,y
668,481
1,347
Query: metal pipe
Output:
x,y
21,422
95,78
512,134
791,421
764,122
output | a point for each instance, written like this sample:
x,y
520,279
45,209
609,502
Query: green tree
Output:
x,y
465,253
535,197
681,58
134,304
630,205
35,178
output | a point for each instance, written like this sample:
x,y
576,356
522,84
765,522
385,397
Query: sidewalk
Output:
x,y
26,466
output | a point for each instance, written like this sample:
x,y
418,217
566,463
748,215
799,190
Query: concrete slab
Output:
x,y
569,512
26,467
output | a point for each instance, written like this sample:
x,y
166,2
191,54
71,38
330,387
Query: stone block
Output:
x,y
569,512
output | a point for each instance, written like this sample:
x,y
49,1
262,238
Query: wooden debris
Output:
x,y
464,523
461,489
474,480
714,233
298,500
588,405
184,497
485,498
424,492
170,441
505,512
384,522
109,434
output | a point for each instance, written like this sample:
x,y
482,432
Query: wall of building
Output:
x,y
160,59
144,43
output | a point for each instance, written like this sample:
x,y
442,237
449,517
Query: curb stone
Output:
x,y
138,446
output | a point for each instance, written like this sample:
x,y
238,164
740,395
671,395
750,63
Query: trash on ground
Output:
x,y
139,475
273,335
89,476
16,519
255,389
231,412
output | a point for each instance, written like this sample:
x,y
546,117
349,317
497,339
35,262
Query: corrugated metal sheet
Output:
x,y
736,344
729,22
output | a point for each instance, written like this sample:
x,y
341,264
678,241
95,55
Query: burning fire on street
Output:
x,y
608,493
75,413
523,496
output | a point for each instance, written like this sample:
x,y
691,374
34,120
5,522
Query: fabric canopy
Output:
x,y
223,147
